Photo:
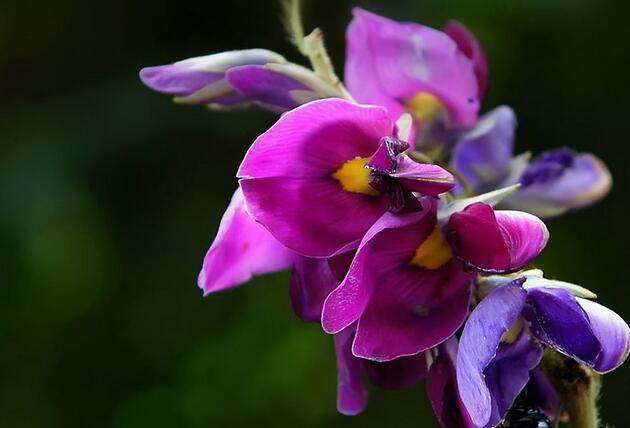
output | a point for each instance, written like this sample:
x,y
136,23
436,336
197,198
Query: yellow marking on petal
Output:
x,y
426,107
515,329
434,252
355,177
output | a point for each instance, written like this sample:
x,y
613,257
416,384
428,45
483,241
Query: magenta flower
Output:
x,y
501,342
407,67
326,171
407,287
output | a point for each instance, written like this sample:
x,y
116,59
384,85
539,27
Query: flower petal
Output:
x,y
561,181
496,241
351,393
555,318
241,250
313,217
482,155
311,282
375,255
542,394
274,90
479,343
442,389
611,331
387,61
509,372
413,309
424,178
400,373
470,46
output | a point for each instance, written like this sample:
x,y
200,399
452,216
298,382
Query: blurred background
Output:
x,y
110,195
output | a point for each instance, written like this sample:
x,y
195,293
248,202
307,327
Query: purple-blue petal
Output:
x,y
351,393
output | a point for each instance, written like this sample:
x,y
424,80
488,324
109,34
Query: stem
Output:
x,y
578,388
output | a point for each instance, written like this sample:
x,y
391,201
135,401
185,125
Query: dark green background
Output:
x,y
110,195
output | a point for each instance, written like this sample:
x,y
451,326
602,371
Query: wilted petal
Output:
x,y
423,178
482,155
479,344
611,331
555,318
400,373
273,90
470,46
496,241
287,175
560,181
351,393
404,59
508,373
311,282
242,249
442,389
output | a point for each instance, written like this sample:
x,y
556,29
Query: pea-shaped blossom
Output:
x,y
555,182
321,176
501,342
408,287
438,77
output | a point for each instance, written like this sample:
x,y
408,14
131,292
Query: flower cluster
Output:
x,y
407,220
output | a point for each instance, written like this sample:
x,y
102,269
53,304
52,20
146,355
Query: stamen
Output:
x,y
512,334
355,177
434,252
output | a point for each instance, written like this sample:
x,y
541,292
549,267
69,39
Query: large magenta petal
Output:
x,y
479,344
316,139
611,331
411,310
496,241
351,393
242,249
388,61
442,389
470,46
313,217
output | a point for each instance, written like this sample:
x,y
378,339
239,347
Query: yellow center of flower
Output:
x,y
355,177
512,334
434,252
426,107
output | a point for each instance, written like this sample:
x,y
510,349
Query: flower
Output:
x,y
501,342
238,78
326,171
408,287
408,67
556,182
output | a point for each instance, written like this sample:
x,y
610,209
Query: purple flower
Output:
x,y
407,288
407,67
552,184
501,343
238,78
326,171
241,250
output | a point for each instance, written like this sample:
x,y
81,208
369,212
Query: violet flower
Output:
x,y
501,342
326,171
556,182
409,285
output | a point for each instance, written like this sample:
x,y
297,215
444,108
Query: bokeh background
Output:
x,y
110,195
